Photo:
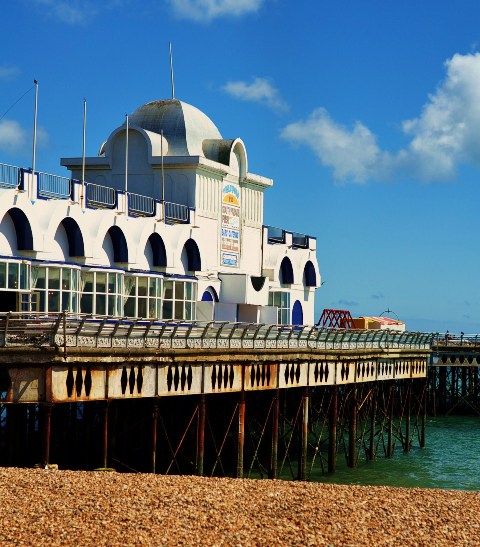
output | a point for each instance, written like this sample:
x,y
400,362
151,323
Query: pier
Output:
x,y
213,398
454,374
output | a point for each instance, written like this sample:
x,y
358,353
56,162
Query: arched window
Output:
x,y
74,236
209,295
286,271
158,251
22,228
192,255
297,313
120,250
309,275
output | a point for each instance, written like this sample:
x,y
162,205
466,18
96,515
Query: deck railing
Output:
x,y
70,330
9,176
53,186
101,196
140,205
275,235
175,212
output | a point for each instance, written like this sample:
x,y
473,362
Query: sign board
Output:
x,y
230,235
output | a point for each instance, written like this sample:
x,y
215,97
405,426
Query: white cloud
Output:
x,y
442,137
72,12
8,72
12,136
259,91
206,10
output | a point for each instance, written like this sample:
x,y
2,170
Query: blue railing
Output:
x,y
299,240
101,196
9,176
52,186
175,212
141,205
275,235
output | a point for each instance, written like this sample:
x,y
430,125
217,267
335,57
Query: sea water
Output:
x,y
450,460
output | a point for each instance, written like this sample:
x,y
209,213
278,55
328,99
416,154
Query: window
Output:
x,y
143,296
179,299
281,300
58,288
102,293
14,276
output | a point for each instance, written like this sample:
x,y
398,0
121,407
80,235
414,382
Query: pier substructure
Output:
x,y
219,402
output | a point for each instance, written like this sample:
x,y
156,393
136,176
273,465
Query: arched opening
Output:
x,y
191,256
22,229
74,236
120,249
286,272
297,313
209,295
309,275
159,254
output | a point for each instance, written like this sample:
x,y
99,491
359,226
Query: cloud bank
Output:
x,y
207,10
8,72
12,136
444,135
261,90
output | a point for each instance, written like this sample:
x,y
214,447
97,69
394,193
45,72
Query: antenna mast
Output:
x,y
171,72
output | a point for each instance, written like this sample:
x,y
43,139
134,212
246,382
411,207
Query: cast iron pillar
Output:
x,y
332,431
200,436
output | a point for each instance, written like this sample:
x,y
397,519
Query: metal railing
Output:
x,y
139,205
174,212
70,330
53,186
9,176
457,340
100,196
299,240
275,235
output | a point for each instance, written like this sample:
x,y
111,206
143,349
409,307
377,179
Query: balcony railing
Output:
x,y
97,196
9,176
101,196
299,240
175,212
275,235
52,186
141,205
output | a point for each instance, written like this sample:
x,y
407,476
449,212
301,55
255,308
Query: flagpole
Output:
x,y
163,179
35,127
171,72
82,198
126,166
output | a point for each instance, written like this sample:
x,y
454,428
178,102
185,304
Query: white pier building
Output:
x,y
166,222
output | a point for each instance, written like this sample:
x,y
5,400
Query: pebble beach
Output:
x,y
50,507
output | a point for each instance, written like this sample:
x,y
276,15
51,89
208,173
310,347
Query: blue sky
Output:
x,y
365,114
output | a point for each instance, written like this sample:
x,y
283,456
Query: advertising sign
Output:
x,y
230,235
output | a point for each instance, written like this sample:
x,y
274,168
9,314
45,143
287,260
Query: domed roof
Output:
x,y
184,126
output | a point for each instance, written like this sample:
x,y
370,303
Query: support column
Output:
x,y
154,435
302,464
332,431
274,449
373,418
390,420
11,427
423,432
352,428
105,436
406,447
200,436
241,434
47,419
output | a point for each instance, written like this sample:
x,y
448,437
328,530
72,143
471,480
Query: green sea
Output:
x,y
451,460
